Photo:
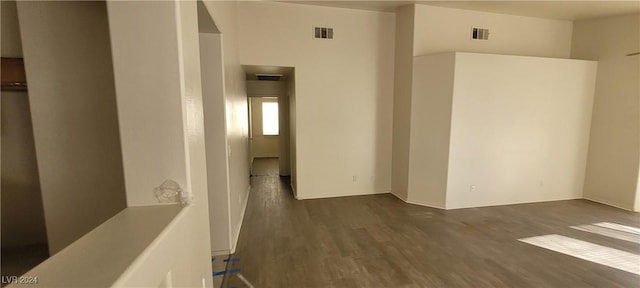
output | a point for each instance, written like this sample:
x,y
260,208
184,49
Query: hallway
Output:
x,y
265,167
379,241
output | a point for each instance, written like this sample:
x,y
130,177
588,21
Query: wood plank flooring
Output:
x,y
380,241
267,166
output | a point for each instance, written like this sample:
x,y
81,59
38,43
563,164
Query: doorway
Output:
x,y
264,136
270,91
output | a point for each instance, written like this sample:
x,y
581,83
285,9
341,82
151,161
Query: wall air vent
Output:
x,y
269,77
479,33
322,32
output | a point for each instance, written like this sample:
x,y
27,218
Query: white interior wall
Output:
x,y
258,88
73,108
637,204
284,149
440,29
422,30
216,140
22,212
614,146
523,138
157,66
433,82
158,154
344,91
193,266
292,131
403,71
20,185
261,145
11,46
225,15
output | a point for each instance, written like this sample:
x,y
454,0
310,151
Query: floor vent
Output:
x,y
322,33
479,33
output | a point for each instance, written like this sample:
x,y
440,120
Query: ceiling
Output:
x,y
563,10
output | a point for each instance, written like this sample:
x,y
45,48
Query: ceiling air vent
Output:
x,y
479,33
269,77
322,33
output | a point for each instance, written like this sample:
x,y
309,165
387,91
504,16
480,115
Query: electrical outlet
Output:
x,y
472,188
355,178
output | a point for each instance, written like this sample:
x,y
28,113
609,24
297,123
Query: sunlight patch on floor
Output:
x,y
619,227
613,233
588,251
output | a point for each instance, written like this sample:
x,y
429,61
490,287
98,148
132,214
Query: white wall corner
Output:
x,y
244,210
608,203
399,196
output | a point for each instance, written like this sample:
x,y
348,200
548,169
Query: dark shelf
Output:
x,y
13,74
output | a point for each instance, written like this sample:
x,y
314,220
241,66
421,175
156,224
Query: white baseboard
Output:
x,y
399,196
295,194
430,205
516,203
606,203
340,195
244,209
220,252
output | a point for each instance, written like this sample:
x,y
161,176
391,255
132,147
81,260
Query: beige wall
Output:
x,y
426,30
344,91
614,146
156,58
521,139
257,88
637,204
261,145
158,154
485,142
291,94
20,185
225,16
10,30
439,29
216,140
433,77
72,99
284,149
402,100
22,211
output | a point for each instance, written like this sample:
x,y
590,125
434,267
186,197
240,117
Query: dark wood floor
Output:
x,y
380,241
265,167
